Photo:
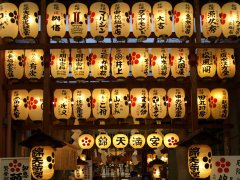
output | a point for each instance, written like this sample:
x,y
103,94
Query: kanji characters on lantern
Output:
x,y
19,104
103,141
120,141
203,97
137,141
154,140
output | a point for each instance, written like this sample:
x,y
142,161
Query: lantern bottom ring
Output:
x,y
163,37
8,39
232,37
99,38
29,39
184,38
56,38
142,38
121,38
212,38
78,38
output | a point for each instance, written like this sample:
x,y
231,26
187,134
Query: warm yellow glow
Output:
x,y
120,141
86,141
137,141
156,170
170,140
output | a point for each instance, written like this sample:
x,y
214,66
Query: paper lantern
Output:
x,y
83,157
176,103
56,20
86,141
154,140
60,63
203,96
77,21
9,20
28,19
120,60
35,104
230,20
206,65
82,103
42,162
139,102
170,140
179,62
120,107
13,64
19,104
140,62
211,25
100,62
99,13
80,63
183,20
137,141
226,67
79,172
157,103
103,141
120,141
62,103
34,63
162,18
160,63
219,103
199,161
157,171
151,157
100,103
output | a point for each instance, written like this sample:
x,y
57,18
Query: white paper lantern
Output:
x,y
157,171
137,141
79,173
86,141
103,141
19,104
35,105
120,141
170,140
203,97
154,140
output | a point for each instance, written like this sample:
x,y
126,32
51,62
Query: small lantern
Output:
x,y
56,20
103,141
120,141
34,63
120,107
28,19
19,104
206,65
176,103
13,64
151,157
79,173
82,104
159,169
120,13
35,104
137,141
62,103
77,21
203,96
157,103
226,67
154,140
80,63
179,62
99,14
60,63
219,103
171,140
86,141
162,17
141,20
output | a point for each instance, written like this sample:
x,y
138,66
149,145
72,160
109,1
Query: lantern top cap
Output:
x,y
156,161
81,162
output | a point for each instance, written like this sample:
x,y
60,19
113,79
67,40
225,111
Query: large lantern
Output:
x,y
99,13
19,104
56,20
60,63
219,103
154,140
176,103
120,141
203,97
77,21
28,19
34,64
225,63
62,103
13,64
171,140
103,141
86,141
35,105
141,20
137,141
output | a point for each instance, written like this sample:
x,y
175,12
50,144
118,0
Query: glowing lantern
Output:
x,y
82,103
80,64
179,62
120,59
157,103
203,96
170,140
35,105
86,141
28,19
79,173
103,141
199,161
183,20
120,141
206,65
60,63
62,103
219,103
99,13
56,20
176,103
154,140
19,104
9,20
157,171
34,63
137,141
100,103
141,20
211,25
225,63
162,17
151,157
120,107
77,21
